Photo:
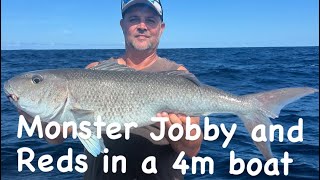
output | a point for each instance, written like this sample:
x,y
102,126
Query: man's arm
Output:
x,y
91,65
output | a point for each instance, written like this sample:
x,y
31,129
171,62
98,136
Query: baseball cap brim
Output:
x,y
156,5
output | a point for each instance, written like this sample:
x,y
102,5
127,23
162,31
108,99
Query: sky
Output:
x,y
83,24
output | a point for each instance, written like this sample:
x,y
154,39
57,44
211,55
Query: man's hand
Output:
x,y
91,65
191,148
57,140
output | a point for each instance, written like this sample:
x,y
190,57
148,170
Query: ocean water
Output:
x,y
237,70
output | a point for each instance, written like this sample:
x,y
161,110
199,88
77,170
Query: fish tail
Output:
x,y
267,105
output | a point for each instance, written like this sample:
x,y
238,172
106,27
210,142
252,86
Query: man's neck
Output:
x,y
139,60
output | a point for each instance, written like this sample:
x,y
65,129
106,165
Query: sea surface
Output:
x,y
237,70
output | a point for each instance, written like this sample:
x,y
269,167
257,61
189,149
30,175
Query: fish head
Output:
x,y
42,93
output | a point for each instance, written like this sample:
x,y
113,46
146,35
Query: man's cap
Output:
x,y
155,4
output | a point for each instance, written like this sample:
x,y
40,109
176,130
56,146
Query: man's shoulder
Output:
x,y
166,60
176,65
163,64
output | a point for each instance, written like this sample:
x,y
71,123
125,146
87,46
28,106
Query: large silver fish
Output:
x,y
120,94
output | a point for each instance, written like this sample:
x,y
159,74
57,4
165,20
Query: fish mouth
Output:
x,y
8,91
12,97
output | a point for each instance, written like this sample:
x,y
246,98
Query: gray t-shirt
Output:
x,y
136,149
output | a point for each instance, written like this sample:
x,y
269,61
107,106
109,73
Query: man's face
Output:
x,y
142,28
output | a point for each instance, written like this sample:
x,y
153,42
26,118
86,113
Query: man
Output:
x,y
142,25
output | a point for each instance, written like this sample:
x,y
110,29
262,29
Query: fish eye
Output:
x,y
36,79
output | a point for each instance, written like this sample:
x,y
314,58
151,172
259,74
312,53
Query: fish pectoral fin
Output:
x,y
93,145
79,113
82,115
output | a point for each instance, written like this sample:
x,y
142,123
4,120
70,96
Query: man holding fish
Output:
x,y
135,87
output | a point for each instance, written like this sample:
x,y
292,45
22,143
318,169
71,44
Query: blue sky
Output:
x,y
80,24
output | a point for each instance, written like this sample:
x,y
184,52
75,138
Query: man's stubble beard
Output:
x,y
149,46
141,48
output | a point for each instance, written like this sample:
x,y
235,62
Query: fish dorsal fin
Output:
x,y
114,66
111,66
185,74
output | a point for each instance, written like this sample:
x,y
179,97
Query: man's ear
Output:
x,y
121,23
163,25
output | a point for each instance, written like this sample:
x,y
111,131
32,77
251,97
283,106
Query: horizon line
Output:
x,y
163,48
